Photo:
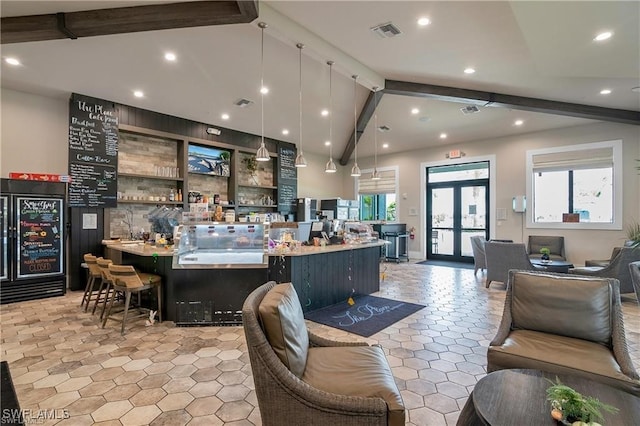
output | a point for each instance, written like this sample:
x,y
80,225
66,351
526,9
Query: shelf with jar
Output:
x,y
158,177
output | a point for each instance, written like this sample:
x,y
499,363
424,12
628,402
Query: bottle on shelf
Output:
x,y
179,195
172,195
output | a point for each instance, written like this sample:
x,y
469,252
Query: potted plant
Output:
x,y
251,164
571,407
633,234
545,253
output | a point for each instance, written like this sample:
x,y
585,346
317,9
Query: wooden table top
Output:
x,y
509,397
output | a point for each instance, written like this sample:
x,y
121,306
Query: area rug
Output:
x,y
369,314
447,264
11,414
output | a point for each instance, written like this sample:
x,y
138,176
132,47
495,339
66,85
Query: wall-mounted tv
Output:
x,y
209,161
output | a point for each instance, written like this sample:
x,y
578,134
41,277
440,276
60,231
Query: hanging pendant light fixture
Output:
x,y
263,153
355,170
375,175
300,160
330,167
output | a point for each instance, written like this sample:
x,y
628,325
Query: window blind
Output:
x,y
385,185
595,158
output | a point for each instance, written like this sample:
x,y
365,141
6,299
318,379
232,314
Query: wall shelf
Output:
x,y
257,186
134,175
168,203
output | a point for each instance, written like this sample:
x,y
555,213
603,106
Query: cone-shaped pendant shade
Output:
x,y
375,175
263,153
330,166
355,170
300,160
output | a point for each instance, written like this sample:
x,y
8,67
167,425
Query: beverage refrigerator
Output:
x,y
32,253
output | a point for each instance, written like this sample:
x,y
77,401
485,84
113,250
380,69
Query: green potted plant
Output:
x,y
545,253
572,407
251,165
633,234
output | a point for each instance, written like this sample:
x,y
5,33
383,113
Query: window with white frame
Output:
x,y
575,186
377,198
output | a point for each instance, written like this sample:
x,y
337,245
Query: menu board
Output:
x,y
40,236
93,152
287,179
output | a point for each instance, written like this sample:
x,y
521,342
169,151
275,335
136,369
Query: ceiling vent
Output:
x,y
387,30
469,109
243,103
384,128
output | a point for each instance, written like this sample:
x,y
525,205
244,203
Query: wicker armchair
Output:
x,y
479,259
564,324
618,268
502,257
284,397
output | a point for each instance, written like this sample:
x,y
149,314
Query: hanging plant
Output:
x,y
251,164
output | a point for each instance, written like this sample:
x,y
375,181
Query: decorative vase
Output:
x,y
545,256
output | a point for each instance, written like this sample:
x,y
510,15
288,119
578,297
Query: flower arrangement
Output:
x,y
571,406
545,253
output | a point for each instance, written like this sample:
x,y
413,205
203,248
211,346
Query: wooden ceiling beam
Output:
x,y
91,23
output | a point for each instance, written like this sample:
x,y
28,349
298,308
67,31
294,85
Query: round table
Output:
x,y
561,266
509,397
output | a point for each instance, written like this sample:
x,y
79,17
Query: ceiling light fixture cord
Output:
x,y
300,160
331,166
355,170
375,175
262,154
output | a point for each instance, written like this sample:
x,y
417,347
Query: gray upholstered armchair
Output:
x,y
501,257
618,268
634,269
554,244
303,379
479,259
564,324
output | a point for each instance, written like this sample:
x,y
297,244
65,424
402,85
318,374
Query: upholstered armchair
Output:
x,y
603,262
634,270
303,379
477,246
554,244
561,323
618,268
501,257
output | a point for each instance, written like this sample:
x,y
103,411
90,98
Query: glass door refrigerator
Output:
x,y
32,253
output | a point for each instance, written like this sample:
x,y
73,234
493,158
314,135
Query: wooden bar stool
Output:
x,y
125,279
94,276
105,285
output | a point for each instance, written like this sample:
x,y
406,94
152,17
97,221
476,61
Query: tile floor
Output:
x,y
61,359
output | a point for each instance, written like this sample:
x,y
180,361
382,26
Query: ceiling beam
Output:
x,y
90,23
368,109
489,99
476,97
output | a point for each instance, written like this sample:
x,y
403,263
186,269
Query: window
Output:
x,y
575,186
377,198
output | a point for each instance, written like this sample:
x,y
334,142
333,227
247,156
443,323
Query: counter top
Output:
x,y
141,249
309,250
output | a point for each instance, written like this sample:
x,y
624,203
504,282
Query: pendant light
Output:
x,y
375,175
300,160
355,170
330,166
263,153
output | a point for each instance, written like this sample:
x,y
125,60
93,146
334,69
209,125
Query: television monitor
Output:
x,y
209,161
320,229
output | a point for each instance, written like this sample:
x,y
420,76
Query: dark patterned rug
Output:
x,y
369,315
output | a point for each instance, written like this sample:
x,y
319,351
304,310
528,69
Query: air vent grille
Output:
x,y
387,30
469,109
384,128
243,103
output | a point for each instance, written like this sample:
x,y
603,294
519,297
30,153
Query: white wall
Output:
x,y
34,134
313,182
510,153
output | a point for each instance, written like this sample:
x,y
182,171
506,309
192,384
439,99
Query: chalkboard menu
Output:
x,y
287,179
40,236
93,152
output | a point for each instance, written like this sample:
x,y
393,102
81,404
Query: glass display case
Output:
x,y
221,245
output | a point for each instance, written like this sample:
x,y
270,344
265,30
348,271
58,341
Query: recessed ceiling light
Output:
x,y
605,92
423,22
12,61
285,131
443,135
327,143
324,112
169,56
138,93
469,70
225,116
603,36
518,123
385,145
414,111
264,90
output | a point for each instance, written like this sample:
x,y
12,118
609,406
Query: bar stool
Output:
x,y
94,275
105,285
126,280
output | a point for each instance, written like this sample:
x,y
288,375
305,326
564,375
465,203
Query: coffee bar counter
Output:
x,y
214,294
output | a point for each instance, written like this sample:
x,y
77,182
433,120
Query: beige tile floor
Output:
x,y
61,359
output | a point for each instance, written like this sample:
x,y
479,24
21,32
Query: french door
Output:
x,y
456,211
